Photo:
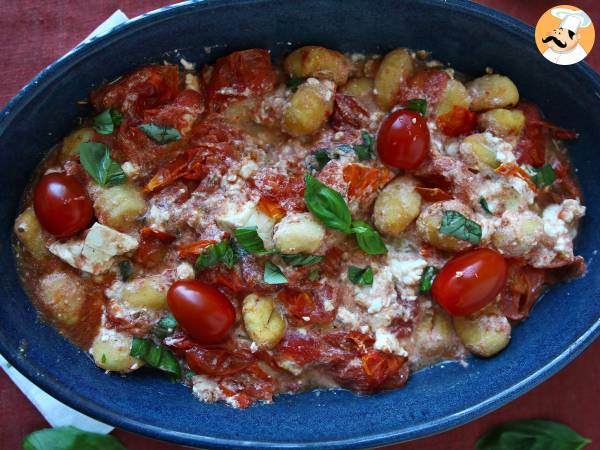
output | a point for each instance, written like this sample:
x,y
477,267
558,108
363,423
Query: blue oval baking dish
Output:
x,y
468,36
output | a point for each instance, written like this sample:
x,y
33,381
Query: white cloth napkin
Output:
x,y
56,413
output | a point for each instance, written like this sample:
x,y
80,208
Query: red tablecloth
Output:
x,y
33,33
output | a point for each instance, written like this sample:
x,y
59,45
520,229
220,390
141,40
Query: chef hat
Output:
x,y
571,20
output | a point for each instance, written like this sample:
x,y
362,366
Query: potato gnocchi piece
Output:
x,y
502,122
309,108
518,233
145,293
397,206
110,351
298,233
433,333
31,234
119,206
70,146
492,91
318,62
358,87
428,225
62,296
485,335
264,323
480,147
395,68
455,94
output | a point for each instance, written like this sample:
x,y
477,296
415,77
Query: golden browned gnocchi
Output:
x,y
485,335
430,220
298,233
62,296
70,146
454,95
393,72
263,321
309,107
492,91
502,122
119,206
30,233
318,62
397,206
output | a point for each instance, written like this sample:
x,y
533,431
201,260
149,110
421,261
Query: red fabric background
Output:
x,y
33,33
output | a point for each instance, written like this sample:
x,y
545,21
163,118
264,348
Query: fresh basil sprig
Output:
x,y
273,274
532,435
364,151
106,121
293,83
221,252
484,204
456,225
70,438
327,205
165,326
301,259
544,176
418,105
249,239
427,277
361,277
161,134
95,159
155,356
368,239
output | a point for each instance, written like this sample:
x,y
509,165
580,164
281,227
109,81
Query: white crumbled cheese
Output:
x,y
253,347
247,215
185,271
206,389
248,169
130,169
556,220
157,217
191,82
328,305
387,342
522,187
407,270
186,64
347,317
95,253
503,149
379,295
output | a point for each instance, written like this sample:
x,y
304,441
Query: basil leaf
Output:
x,y
293,83
327,205
161,134
368,239
273,274
70,438
125,270
221,252
456,225
484,204
544,176
531,435
165,326
154,355
417,104
322,158
364,151
249,239
95,159
361,277
105,122
427,277
314,275
301,259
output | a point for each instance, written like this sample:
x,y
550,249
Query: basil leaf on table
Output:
x,y
544,176
160,134
95,159
418,105
154,355
70,438
531,435
273,274
368,239
301,259
427,277
106,121
456,225
361,277
327,205
249,239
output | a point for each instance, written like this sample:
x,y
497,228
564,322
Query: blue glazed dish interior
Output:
x,y
469,37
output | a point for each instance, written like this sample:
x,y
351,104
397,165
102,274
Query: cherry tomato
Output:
x,y
62,204
470,281
201,310
403,139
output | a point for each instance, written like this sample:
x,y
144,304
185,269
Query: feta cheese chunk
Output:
x,y
387,342
247,215
407,270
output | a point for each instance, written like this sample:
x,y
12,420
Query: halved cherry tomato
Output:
x,y
201,310
62,205
403,139
470,281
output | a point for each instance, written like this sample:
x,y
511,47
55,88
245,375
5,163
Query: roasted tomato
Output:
x,y
201,310
403,140
348,113
459,121
470,281
62,205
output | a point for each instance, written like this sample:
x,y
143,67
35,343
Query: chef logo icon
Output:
x,y
564,35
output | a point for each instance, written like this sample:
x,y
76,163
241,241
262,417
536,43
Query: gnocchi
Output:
x,y
264,323
318,62
358,87
309,107
518,233
110,351
397,206
63,297
70,146
492,91
433,333
118,206
455,94
485,335
502,122
298,233
395,68
428,226
30,233
145,293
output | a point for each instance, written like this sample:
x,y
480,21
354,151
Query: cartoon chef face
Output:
x,y
561,40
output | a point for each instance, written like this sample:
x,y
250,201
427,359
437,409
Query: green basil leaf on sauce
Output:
x,y
364,151
293,83
484,204
314,275
165,326
106,121
327,205
155,356
544,176
221,252
301,259
532,434
95,159
273,274
368,239
125,270
361,277
458,226
250,241
417,104
160,134
427,277
70,438
322,158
